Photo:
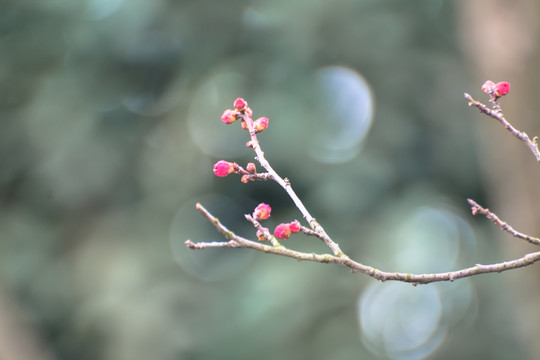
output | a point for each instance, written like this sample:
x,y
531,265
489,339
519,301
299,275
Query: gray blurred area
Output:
x,y
110,125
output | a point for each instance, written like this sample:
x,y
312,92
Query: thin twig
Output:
x,y
477,209
497,114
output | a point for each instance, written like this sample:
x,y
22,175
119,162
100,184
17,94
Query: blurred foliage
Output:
x,y
109,129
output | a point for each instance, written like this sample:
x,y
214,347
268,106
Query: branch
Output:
x,y
343,260
497,114
283,231
477,209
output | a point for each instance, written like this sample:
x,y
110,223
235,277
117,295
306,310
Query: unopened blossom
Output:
x,y
260,124
229,116
240,104
502,88
223,168
262,212
282,231
294,226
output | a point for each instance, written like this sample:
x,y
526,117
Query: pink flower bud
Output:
x,y
294,226
487,87
223,168
262,212
244,179
502,88
229,116
240,104
251,167
282,231
260,124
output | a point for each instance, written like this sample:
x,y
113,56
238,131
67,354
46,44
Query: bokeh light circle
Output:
x,y
401,321
405,322
346,111
204,124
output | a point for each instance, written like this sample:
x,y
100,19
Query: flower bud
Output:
x,y
262,212
487,87
294,226
223,168
502,88
229,116
282,231
251,167
260,124
240,104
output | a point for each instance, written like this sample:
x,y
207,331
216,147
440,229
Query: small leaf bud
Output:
x,y
251,167
262,234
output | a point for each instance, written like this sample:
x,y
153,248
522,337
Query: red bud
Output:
x,y
223,168
502,88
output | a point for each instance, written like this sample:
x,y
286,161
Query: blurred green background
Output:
x,y
110,126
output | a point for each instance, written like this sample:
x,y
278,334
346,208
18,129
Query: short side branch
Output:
x,y
497,114
477,209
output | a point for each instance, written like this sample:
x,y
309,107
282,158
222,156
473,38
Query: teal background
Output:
x,y
109,128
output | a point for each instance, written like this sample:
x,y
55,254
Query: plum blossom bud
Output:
x,y
240,104
502,88
294,226
251,167
224,168
488,86
244,179
262,212
260,124
282,231
229,116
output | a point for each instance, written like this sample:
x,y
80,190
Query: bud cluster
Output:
x,y
243,111
499,89
223,168
283,231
